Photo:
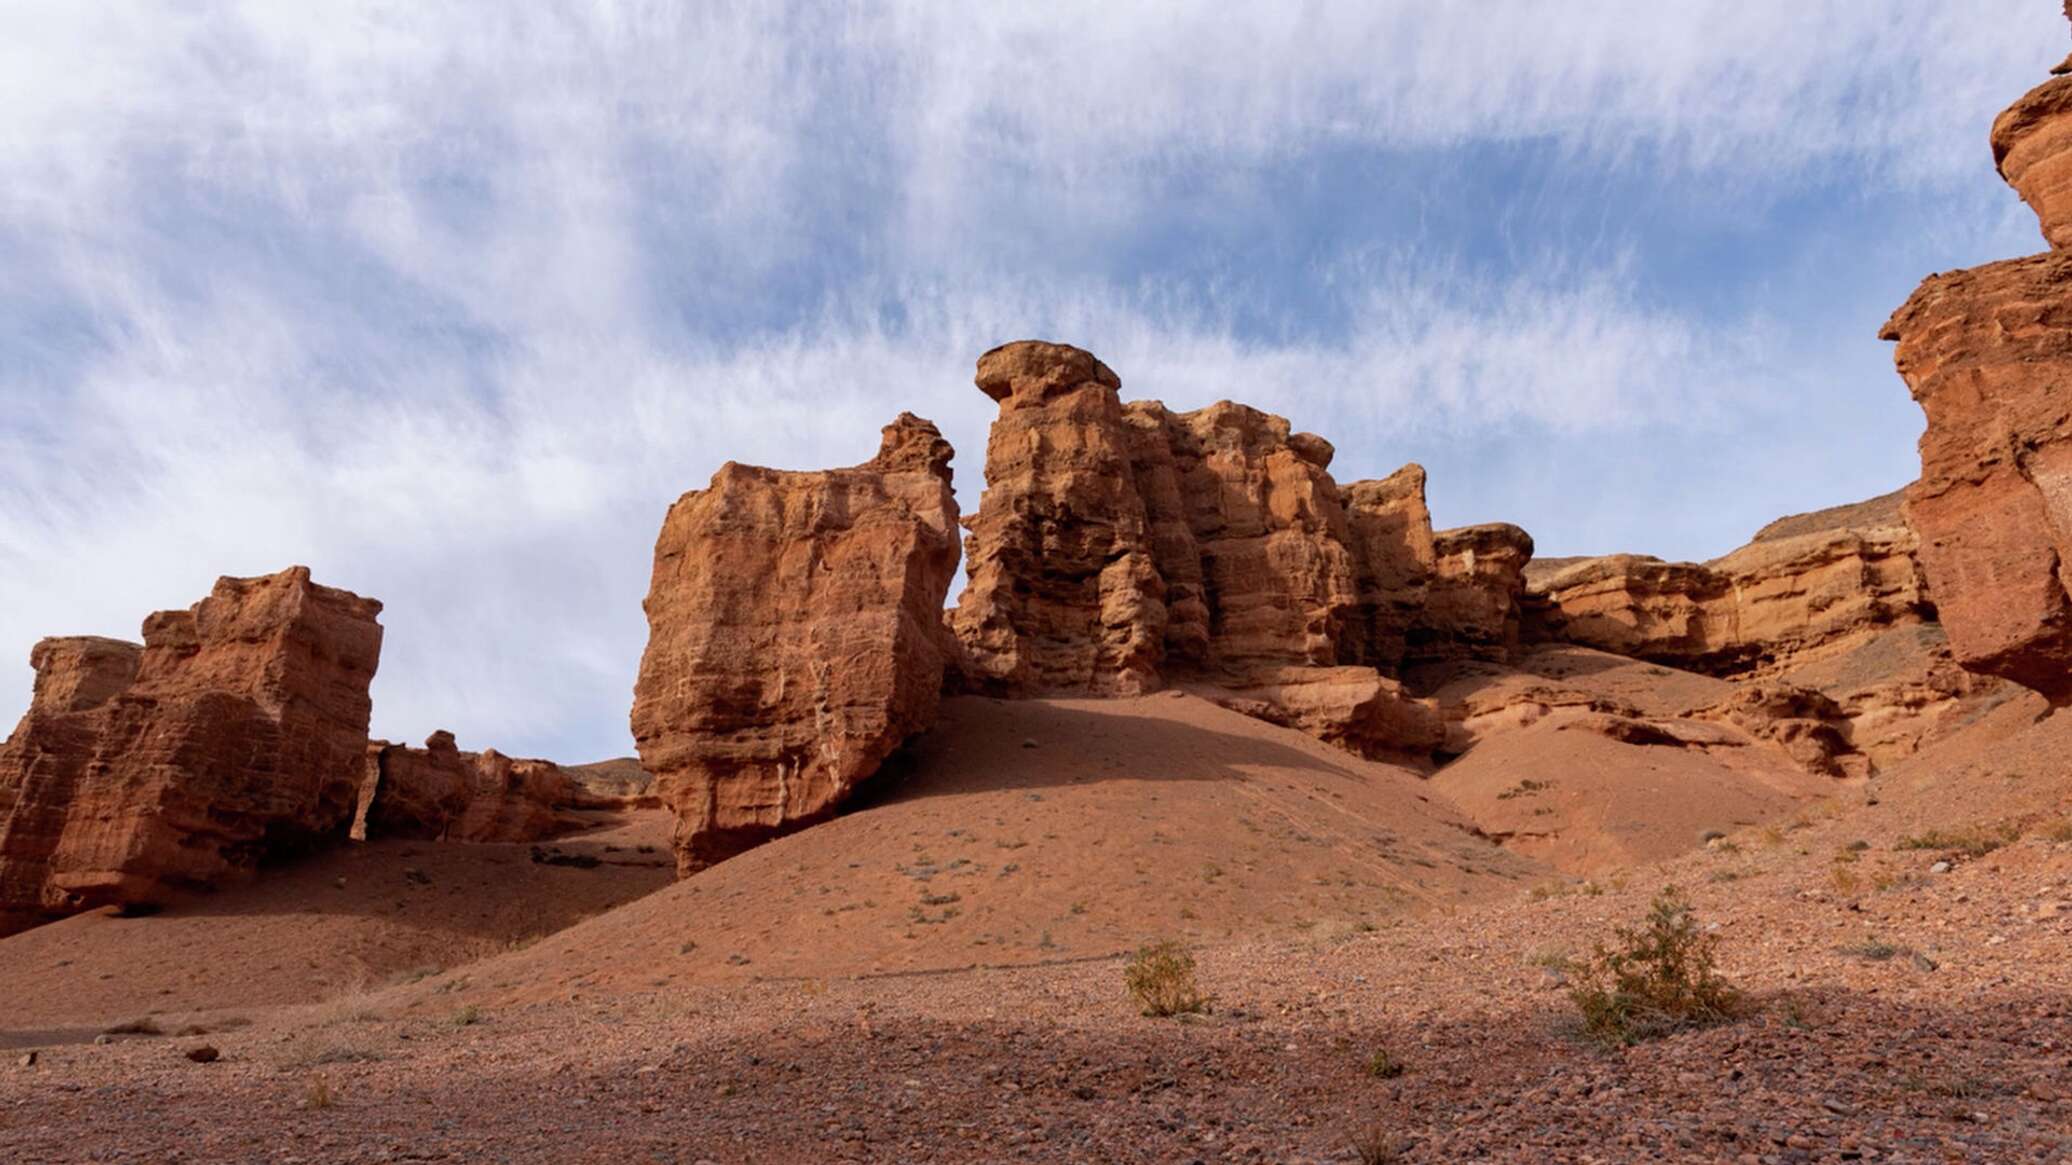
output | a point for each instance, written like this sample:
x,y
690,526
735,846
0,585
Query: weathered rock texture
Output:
x,y
1471,609
2032,146
1120,547
1987,354
439,792
1806,585
235,734
795,638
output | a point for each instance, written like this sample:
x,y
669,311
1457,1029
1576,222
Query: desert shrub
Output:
x,y
1383,1066
2059,831
1656,978
317,1094
1160,977
1975,842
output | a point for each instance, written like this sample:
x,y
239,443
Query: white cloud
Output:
x,y
437,298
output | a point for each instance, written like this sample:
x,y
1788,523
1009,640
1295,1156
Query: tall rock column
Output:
x,y
1987,354
235,734
1064,593
795,638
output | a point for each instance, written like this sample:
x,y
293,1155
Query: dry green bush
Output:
x,y
1656,978
1160,977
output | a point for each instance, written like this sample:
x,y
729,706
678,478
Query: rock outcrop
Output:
x,y
1396,561
439,792
1121,547
1987,354
2032,147
1806,585
234,735
795,638
1472,606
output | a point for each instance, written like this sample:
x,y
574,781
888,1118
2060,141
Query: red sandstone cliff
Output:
x,y
1987,354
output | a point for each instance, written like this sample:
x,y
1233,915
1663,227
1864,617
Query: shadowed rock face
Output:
x,y
795,638
1471,608
235,734
1987,354
1806,585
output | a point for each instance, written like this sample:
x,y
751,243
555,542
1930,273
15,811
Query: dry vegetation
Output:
x,y
1657,978
1160,977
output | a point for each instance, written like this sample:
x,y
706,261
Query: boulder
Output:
x,y
235,735
795,638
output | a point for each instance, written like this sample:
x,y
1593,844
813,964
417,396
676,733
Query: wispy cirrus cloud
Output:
x,y
451,301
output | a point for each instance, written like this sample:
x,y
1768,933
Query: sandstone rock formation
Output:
x,y
1987,354
1063,593
1396,561
795,638
2032,147
440,792
234,735
413,792
1120,547
1805,585
1471,609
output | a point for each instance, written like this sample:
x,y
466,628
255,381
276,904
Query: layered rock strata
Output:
x,y
1805,585
1120,547
234,735
795,638
439,792
1987,354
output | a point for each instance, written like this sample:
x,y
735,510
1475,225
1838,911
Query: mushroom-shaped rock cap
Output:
x,y
1036,370
2032,148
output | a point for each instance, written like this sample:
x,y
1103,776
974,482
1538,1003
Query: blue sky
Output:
x,y
450,301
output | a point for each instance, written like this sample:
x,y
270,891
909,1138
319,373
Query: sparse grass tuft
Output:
x,y
1383,1066
467,1016
1973,842
1876,950
1160,977
2059,831
1658,978
1376,1144
1525,788
136,1027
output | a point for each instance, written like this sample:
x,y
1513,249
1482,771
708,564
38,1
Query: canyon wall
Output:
x,y
1805,585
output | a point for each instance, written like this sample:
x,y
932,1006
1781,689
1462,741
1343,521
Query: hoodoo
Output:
x,y
795,638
